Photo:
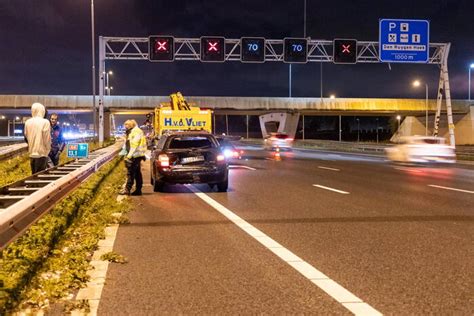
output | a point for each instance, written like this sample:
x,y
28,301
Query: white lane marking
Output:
x,y
241,167
330,189
93,290
327,168
448,188
333,289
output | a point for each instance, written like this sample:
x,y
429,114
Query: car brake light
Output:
x,y
164,160
220,157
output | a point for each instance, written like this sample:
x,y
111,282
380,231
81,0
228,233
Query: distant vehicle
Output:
x,y
188,157
278,141
228,148
421,149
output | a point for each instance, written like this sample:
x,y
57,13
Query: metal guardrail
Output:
x,y
10,151
26,201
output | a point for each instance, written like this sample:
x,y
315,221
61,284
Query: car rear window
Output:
x,y
224,142
432,141
183,142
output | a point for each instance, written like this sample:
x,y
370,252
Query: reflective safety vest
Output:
x,y
137,143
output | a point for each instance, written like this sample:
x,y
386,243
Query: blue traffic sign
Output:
x,y
404,41
77,150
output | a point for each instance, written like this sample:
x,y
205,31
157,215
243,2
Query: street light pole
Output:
x,y
469,85
377,130
417,83
358,128
426,108
93,68
398,119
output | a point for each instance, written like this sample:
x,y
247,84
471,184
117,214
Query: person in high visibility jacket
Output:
x,y
136,149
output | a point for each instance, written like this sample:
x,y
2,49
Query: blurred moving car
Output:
x,y
421,149
228,148
188,157
280,141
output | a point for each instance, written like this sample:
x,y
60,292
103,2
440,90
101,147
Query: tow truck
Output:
x,y
179,115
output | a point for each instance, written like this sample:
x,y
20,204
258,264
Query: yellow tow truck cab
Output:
x,y
179,115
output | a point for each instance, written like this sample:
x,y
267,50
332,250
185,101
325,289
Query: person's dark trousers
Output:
x,y
53,155
134,174
38,164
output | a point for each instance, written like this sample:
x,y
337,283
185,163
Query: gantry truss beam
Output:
x,y
136,48
189,49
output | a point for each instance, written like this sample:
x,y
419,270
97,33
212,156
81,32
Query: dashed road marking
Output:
x,y
448,188
330,189
332,288
327,168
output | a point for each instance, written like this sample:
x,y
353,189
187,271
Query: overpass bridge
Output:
x,y
238,105
288,109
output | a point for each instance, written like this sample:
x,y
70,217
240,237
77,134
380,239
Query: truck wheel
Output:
x,y
222,186
158,185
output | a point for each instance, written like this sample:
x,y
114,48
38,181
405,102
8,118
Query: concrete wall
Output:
x,y
463,127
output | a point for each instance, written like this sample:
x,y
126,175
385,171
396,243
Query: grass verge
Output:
x,y
50,261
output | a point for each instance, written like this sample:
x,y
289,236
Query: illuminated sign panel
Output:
x,y
252,49
295,50
212,49
345,51
161,48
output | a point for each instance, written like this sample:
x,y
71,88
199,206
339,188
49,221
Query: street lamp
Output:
x,y
332,96
358,128
471,66
417,83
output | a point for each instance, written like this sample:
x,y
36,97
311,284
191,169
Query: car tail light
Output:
x,y
235,154
220,158
164,160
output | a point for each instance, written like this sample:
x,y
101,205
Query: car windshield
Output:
x,y
183,142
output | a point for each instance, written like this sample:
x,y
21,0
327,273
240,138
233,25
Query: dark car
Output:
x,y
188,157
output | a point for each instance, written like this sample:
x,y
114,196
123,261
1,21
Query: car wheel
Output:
x,y
222,186
158,185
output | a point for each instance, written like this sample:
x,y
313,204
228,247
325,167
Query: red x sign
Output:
x,y
346,48
161,45
212,46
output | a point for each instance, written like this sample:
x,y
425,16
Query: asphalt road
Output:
x,y
368,236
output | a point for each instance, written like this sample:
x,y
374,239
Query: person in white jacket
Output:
x,y
38,136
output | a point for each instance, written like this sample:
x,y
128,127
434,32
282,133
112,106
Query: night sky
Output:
x,y
46,46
